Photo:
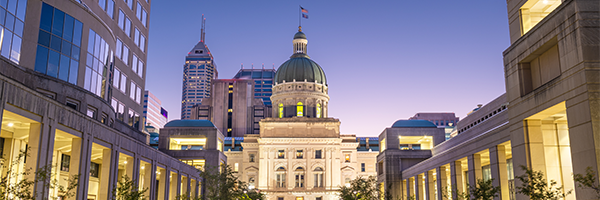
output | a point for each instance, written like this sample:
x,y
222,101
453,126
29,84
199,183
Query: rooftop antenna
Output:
x,y
202,29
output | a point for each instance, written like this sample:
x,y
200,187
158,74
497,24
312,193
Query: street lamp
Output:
x,y
355,196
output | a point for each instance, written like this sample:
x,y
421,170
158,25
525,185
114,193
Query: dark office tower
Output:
x,y
263,82
198,72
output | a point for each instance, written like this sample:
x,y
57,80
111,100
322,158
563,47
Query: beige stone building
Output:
x,y
300,153
548,120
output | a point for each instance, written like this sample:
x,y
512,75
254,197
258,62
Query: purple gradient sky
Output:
x,y
384,60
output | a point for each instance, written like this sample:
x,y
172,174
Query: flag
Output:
x,y
303,10
305,16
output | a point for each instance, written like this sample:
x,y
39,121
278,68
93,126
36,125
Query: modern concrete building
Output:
x,y
198,72
195,142
154,114
442,120
71,78
547,121
232,107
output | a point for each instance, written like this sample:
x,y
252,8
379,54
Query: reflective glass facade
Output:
x,y
263,82
98,63
12,15
59,44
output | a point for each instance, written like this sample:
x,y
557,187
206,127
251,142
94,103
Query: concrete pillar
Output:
x,y
474,161
430,189
420,187
103,189
74,164
499,173
535,142
153,186
37,150
411,187
146,179
442,181
456,175
162,188
404,188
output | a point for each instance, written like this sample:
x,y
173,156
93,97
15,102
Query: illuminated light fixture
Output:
x,y
545,1
157,172
124,162
10,124
143,167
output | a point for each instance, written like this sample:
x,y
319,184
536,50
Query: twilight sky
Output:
x,y
384,60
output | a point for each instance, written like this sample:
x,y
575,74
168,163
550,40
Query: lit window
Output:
x,y
299,109
251,158
236,167
318,110
281,154
533,11
280,110
230,110
299,154
347,157
415,142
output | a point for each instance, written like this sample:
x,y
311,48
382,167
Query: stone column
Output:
x,y
420,187
411,187
163,189
430,189
103,189
457,178
147,178
474,168
499,173
442,181
76,146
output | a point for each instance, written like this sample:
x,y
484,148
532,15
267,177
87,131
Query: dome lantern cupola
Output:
x,y
300,42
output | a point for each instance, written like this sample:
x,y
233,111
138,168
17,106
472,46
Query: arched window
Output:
x,y
280,175
318,110
280,110
318,172
299,174
299,109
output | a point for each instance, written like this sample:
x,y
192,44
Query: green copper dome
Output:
x,y
300,67
299,35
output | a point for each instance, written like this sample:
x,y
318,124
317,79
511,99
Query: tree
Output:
x,y
361,188
588,181
484,190
127,190
224,185
534,185
16,185
454,191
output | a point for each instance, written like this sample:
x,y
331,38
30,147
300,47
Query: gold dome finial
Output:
x,y
299,28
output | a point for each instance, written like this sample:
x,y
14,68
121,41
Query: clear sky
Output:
x,y
384,59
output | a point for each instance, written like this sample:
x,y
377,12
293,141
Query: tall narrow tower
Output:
x,y
198,71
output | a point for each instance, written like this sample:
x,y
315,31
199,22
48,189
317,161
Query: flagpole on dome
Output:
x,y
300,16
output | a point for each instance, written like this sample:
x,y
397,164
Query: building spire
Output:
x,y
202,29
299,28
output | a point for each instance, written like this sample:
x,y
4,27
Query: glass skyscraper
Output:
x,y
198,72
